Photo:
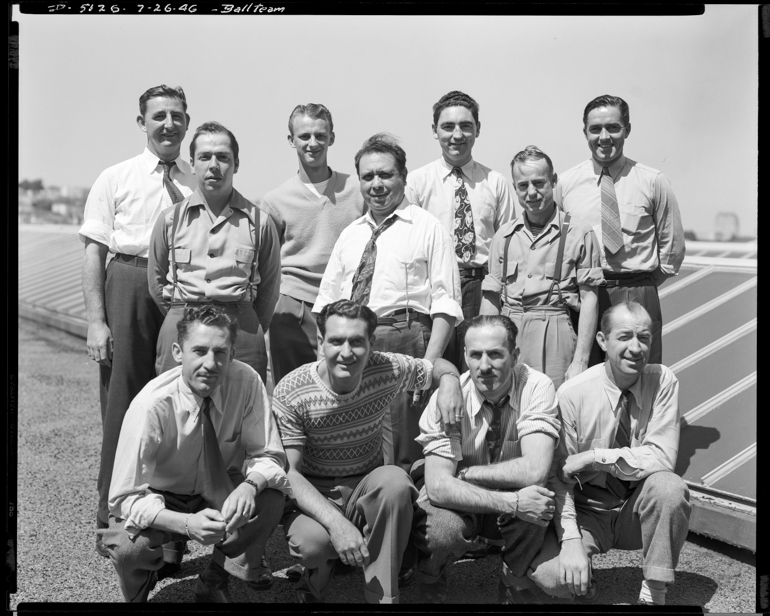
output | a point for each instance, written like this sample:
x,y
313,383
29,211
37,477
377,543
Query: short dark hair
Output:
x,y
350,310
206,314
212,128
383,143
607,100
483,320
631,306
162,91
532,152
311,110
455,98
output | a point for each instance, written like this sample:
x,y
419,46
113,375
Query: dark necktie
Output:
x,y
216,482
465,235
620,487
173,191
494,436
612,235
362,279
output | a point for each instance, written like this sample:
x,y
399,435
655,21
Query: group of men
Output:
x,y
355,457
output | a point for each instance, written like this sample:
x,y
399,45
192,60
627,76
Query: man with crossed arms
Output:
x,y
123,320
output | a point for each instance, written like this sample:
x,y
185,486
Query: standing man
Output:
x,y
309,210
633,212
471,200
543,266
398,260
180,434
215,246
619,443
123,320
486,474
330,413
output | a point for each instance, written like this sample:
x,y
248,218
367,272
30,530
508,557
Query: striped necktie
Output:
x,y
494,435
173,191
612,235
216,482
362,279
465,235
621,487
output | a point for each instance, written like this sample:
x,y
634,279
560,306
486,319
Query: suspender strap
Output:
x,y
503,292
558,264
174,218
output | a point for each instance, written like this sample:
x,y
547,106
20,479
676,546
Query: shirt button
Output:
x,y
211,255
208,279
529,275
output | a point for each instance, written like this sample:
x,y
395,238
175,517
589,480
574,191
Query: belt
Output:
x,y
507,310
473,272
624,280
131,259
177,303
399,316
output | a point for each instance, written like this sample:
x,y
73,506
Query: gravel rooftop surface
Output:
x,y
59,436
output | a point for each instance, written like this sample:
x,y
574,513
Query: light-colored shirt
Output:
x,y
415,266
308,226
589,405
432,187
649,215
126,199
532,261
341,434
161,442
235,257
531,409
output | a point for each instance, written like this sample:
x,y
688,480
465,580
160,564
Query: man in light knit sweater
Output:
x,y
330,415
310,210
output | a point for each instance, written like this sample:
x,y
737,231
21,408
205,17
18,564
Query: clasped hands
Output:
x,y
210,526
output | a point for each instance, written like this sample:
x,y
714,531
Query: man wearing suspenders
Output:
x,y
544,268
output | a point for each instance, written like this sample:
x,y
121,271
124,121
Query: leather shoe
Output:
x,y
643,602
294,573
483,549
264,579
435,593
305,596
591,594
101,549
405,577
210,594
168,570
508,595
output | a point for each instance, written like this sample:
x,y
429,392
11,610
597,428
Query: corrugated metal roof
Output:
x,y
709,340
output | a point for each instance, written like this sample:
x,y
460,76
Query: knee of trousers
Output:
x,y
668,490
270,502
393,484
146,546
445,529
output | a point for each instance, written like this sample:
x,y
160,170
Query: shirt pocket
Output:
x,y
182,256
230,448
590,443
244,258
635,218
567,269
401,274
510,450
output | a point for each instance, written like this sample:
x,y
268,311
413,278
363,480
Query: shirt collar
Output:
x,y
613,392
194,402
518,223
402,211
614,169
477,400
467,168
152,161
237,200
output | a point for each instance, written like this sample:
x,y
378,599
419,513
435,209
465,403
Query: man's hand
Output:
x,y
239,506
536,505
99,343
206,527
450,400
574,567
576,463
574,369
349,543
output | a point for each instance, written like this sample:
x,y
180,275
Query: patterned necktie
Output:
x,y
612,235
494,436
362,279
173,191
623,435
465,235
216,482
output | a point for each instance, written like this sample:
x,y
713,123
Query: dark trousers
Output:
x,y
471,301
402,420
134,320
645,293
293,336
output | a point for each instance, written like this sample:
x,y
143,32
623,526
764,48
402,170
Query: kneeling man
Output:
x,y
620,439
169,482
330,413
502,448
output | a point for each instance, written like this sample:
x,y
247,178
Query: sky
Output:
x,y
691,84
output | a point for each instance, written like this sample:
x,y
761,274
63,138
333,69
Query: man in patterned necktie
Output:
x,y
471,200
486,475
616,485
330,413
633,211
170,482
123,320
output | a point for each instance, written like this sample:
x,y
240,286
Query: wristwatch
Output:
x,y
253,484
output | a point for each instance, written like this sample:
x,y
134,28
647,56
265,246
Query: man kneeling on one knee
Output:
x,y
616,459
180,434
502,447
